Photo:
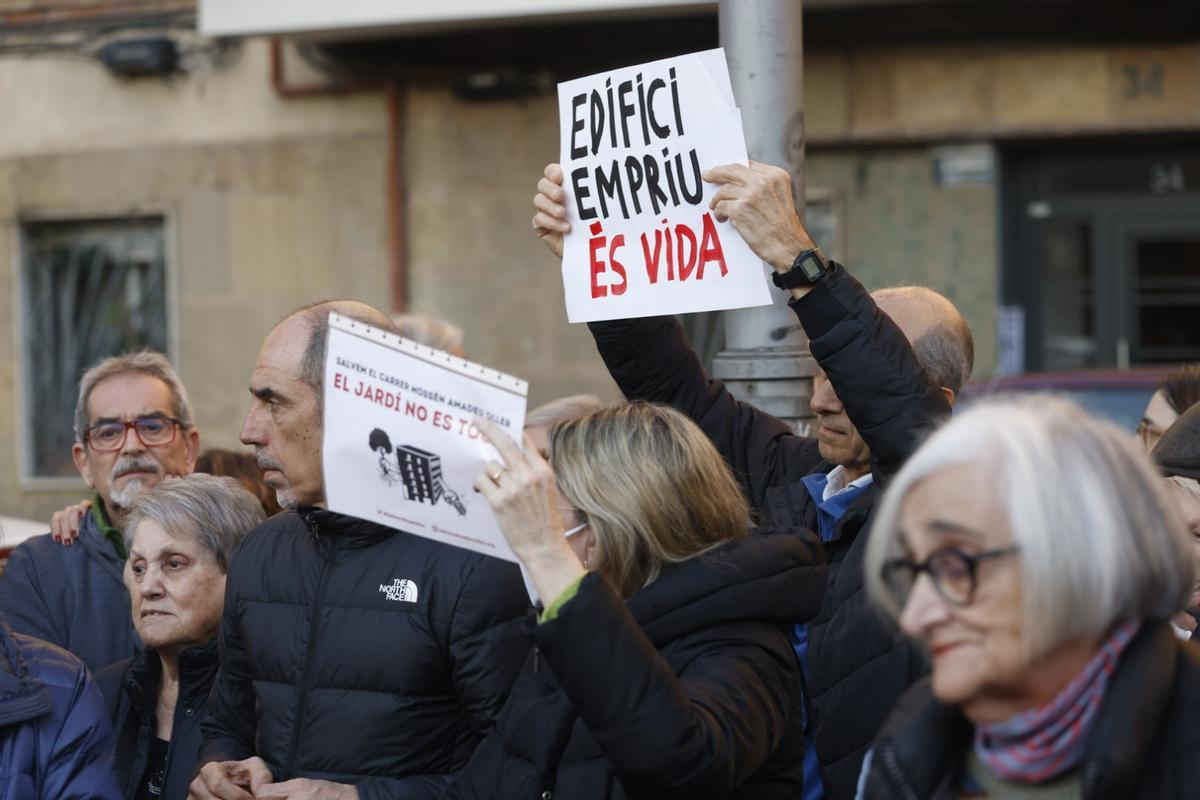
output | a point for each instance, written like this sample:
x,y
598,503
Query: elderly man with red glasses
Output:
x,y
133,427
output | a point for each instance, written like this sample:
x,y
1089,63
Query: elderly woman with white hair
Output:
x,y
180,538
1038,558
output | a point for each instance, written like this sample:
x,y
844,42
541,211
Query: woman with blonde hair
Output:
x,y
662,666
1037,556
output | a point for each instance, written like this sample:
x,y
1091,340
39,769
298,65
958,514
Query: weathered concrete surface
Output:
x,y
274,202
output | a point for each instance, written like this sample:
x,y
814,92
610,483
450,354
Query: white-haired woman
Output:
x,y
1034,552
180,538
662,666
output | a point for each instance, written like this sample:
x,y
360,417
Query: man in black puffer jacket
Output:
x,y
328,680
875,399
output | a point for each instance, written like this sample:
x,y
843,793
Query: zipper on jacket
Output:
x,y
892,767
181,708
537,652
310,656
174,738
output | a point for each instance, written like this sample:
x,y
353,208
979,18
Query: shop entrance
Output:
x,y
1102,257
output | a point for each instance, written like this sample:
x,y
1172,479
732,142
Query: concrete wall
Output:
x,y
898,226
270,204
1000,90
274,202
472,173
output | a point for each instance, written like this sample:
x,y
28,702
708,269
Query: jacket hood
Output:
x,y
772,574
22,696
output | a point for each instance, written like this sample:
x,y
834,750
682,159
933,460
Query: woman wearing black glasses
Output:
x,y
1036,555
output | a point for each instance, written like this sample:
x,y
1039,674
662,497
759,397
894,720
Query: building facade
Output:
x,y
176,178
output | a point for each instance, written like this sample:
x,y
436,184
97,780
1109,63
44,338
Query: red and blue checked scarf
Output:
x,y
1043,743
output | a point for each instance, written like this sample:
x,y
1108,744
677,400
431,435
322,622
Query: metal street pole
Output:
x,y
766,359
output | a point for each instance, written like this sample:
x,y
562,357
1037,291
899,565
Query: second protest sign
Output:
x,y
400,446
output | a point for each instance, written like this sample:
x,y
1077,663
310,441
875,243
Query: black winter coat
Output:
x,y
858,664
130,689
689,690
359,654
1143,745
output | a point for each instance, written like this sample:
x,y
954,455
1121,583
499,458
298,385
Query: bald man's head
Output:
x,y
315,320
940,337
284,422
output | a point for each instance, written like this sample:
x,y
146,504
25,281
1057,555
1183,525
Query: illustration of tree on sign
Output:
x,y
418,471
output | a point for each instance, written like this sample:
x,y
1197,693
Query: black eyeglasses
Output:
x,y
952,571
152,431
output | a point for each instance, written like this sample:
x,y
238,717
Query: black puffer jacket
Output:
x,y
359,654
1143,745
130,689
857,664
689,690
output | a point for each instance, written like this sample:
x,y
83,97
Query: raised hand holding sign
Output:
x,y
640,238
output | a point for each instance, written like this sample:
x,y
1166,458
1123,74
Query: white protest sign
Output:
x,y
634,143
400,448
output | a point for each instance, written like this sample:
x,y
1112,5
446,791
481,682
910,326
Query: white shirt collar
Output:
x,y
835,482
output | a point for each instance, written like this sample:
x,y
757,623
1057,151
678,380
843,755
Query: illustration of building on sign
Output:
x,y
421,474
418,471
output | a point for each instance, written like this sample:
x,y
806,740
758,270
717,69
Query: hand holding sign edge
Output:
x,y
550,218
757,201
523,498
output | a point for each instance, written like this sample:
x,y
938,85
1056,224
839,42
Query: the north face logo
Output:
x,y
400,590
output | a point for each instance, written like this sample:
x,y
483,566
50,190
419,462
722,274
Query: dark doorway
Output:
x,y
1101,253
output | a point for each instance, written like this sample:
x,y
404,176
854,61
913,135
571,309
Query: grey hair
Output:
x,y
563,409
1100,540
947,354
1189,486
431,331
144,362
316,319
217,511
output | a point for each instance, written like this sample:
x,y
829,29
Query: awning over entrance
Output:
x,y
353,18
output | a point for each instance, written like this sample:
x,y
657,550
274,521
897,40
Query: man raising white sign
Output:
x,y
891,364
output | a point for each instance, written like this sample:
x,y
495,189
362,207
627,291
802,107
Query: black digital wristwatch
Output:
x,y
807,270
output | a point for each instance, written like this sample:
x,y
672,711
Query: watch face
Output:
x,y
812,266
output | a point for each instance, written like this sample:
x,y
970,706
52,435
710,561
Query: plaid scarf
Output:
x,y
1043,743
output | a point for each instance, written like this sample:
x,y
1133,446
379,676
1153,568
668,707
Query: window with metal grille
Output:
x,y
91,289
